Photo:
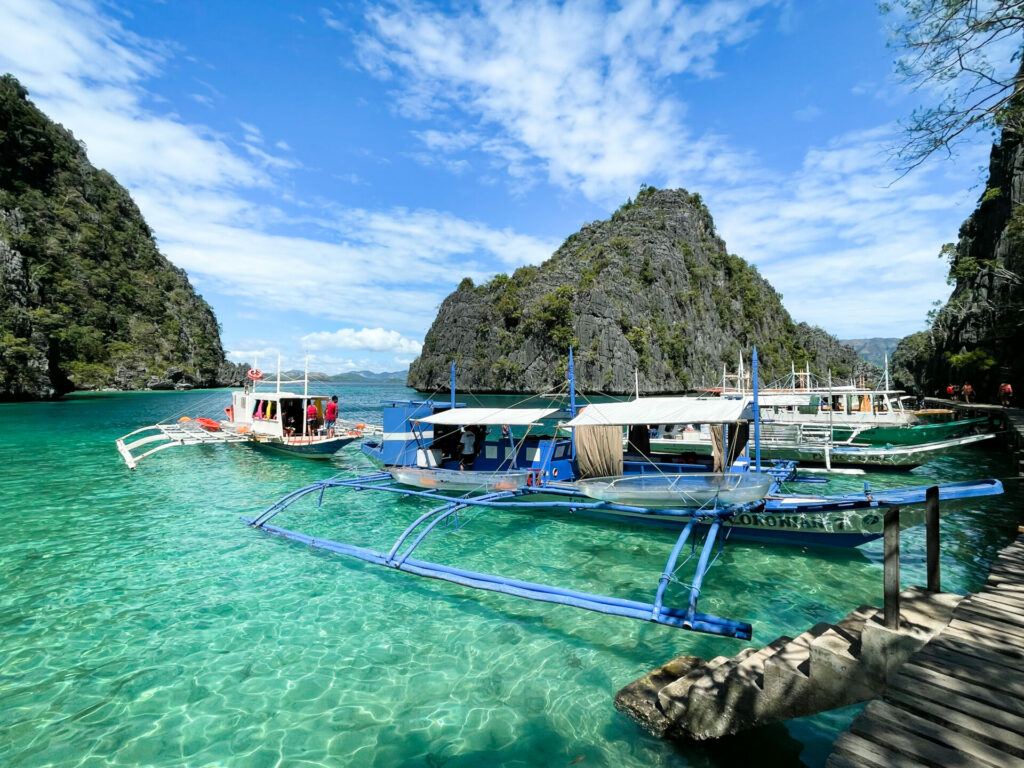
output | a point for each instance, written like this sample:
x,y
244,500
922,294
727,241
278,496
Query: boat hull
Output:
x,y
322,449
459,481
690,489
916,434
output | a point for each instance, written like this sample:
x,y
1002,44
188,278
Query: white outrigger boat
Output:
x,y
267,419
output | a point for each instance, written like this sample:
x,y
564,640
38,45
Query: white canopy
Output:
x,y
489,416
783,399
665,410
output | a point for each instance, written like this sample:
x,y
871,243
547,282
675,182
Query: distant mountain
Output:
x,y
873,350
370,376
347,376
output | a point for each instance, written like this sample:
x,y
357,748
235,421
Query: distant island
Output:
x,y
652,289
348,376
873,350
87,301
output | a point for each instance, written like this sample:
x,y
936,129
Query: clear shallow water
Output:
x,y
142,624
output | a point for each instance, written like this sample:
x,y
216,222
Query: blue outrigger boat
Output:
x,y
581,468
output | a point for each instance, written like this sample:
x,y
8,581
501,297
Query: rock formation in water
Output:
x,y
86,299
978,336
653,288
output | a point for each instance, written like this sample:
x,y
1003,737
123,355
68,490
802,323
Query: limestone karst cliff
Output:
x,y
86,299
652,288
978,335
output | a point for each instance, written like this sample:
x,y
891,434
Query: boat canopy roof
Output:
x,y
489,416
784,399
665,410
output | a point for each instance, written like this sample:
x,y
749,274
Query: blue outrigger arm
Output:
x,y
448,514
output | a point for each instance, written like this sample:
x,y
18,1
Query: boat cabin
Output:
x,y
275,414
429,435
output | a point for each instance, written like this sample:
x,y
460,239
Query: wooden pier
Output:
x,y
959,700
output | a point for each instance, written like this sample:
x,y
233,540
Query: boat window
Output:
x,y
532,454
491,451
881,403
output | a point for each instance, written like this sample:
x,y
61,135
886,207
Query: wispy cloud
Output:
x,y
205,195
564,90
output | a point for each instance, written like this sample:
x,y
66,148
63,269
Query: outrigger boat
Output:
x,y
273,420
581,468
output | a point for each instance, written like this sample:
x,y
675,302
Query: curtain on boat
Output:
x,y
599,451
739,434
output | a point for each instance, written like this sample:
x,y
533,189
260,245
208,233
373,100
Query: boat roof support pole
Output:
x,y
757,414
572,402
453,383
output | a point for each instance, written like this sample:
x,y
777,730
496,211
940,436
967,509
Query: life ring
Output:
x,y
255,374
208,424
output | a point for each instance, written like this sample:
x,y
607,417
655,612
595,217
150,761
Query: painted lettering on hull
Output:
x,y
844,523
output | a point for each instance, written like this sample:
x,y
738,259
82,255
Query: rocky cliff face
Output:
x,y
978,335
653,288
86,299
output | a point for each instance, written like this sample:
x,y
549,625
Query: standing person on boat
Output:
x,y
331,415
1005,394
311,419
968,392
467,449
950,391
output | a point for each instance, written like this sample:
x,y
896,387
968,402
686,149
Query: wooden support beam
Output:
x,y
891,567
932,538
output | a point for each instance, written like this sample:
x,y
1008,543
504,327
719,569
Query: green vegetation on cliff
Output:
x,y
977,335
653,288
86,299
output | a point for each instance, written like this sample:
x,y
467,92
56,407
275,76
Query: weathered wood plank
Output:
x,y
867,753
968,613
905,685
969,668
963,687
940,712
924,739
883,730
1012,601
991,640
1013,666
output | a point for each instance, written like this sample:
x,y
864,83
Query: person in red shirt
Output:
x,y
968,392
331,415
311,418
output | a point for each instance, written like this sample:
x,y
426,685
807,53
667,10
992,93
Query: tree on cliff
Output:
x,y
946,45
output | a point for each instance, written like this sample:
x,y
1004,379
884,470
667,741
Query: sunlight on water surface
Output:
x,y
141,623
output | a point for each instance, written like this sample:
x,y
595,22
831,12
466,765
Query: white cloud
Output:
x,y
374,339
573,92
387,267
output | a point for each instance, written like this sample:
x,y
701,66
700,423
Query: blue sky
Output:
x,y
327,172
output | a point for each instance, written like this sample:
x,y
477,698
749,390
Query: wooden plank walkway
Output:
x,y
959,701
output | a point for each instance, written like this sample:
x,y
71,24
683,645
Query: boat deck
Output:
x,y
960,699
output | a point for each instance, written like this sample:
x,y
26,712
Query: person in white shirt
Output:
x,y
467,446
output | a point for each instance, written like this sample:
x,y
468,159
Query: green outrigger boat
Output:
x,y
910,434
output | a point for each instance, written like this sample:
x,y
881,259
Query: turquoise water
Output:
x,y
142,624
